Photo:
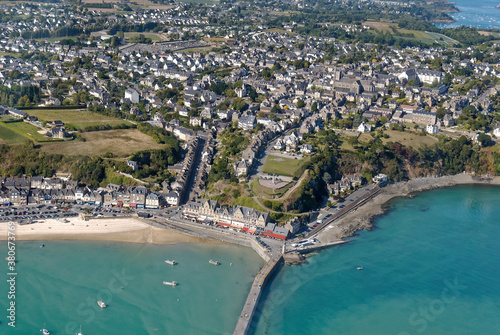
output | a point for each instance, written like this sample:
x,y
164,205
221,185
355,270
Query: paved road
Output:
x,y
352,202
186,195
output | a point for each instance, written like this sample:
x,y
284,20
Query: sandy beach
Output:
x,y
362,218
102,229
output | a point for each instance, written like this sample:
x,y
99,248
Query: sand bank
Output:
x,y
109,229
362,218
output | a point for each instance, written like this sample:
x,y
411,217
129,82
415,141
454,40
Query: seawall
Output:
x,y
258,286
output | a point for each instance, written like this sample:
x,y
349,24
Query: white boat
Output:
x,y
359,268
170,262
45,331
101,304
214,262
170,283
80,333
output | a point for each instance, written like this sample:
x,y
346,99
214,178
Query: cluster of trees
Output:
x,y
19,95
153,163
28,160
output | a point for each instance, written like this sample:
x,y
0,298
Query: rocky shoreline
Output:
x,y
362,218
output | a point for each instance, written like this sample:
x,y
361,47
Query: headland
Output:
x,y
362,217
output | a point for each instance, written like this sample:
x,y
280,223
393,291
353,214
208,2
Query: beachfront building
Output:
x,y
275,231
243,218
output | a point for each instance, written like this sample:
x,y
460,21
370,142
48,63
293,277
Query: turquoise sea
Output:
x,y
60,284
432,266
480,14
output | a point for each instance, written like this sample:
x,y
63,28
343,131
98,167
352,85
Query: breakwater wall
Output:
x,y
253,298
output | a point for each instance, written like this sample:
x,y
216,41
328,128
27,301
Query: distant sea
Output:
x,y
431,266
60,284
475,13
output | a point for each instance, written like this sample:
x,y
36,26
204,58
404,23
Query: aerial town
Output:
x,y
252,115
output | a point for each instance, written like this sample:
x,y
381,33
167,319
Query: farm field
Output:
x,y
421,36
75,117
445,39
120,142
9,136
284,166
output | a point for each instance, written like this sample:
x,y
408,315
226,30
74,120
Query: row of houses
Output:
x,y
246,219
38,190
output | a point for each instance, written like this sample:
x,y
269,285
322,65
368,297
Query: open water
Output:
x,y
60,284
432,266
473,13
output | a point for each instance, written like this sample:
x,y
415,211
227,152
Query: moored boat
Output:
x,y
101,304
359,268
214,262
44,330
171,262
170,283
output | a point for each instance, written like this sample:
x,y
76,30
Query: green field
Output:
x,y
153,37
416,33
9,136
75,117
28,130
442,39
120,142
285,166
6,118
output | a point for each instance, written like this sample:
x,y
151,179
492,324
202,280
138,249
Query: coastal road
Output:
x,y
352,202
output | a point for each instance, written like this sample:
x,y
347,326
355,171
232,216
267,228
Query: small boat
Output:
x,y
359,268
214,262
170,262
42,245
80,333
101,304
170,283
45,331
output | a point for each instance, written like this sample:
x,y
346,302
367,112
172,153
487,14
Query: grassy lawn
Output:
x,y
381,26
28,130
266,192
121,142
6,118
75,117
248,202
9,136
284,166
153,37
416,33
277,30
408,139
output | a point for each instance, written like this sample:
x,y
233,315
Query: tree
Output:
x,y
239,104
485,140
314,107
300,103
327,178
